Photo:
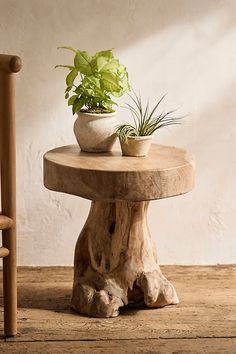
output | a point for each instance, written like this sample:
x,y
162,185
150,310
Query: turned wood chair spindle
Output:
x,y
9,65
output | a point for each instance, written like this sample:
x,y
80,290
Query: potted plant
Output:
x,y
135,139
91,83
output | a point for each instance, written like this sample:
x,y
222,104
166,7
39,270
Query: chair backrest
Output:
x,y
9,65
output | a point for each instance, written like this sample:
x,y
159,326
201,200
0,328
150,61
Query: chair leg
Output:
x,y
8,197
10,284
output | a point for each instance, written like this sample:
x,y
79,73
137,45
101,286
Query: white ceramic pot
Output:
x,y
95,132
136,145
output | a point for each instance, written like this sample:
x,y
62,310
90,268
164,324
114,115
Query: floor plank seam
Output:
x,y
8,340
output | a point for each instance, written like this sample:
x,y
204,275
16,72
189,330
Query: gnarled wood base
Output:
x,y
116,263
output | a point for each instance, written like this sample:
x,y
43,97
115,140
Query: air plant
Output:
x,y
145,122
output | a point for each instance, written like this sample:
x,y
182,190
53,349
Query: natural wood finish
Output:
x,y
131,346
116,262
3,252
5,222
10,63
165,172
204,321
8,66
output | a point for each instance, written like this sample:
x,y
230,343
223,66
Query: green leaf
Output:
x,y
117,94
88,92
77,105
82,62
101,62
112,65
101,76
110,82
69,48
92,81
125,84
93,65
64,66
125,130
71,77
122,69
79,90
72,100
68,89
105,53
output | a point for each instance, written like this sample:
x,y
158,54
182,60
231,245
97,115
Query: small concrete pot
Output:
x,y
95,132
136,145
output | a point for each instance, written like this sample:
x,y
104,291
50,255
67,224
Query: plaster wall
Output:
x,y
185,48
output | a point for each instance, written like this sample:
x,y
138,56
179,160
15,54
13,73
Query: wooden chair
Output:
x,y
9,65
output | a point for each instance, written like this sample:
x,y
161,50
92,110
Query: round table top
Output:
x,y
165,172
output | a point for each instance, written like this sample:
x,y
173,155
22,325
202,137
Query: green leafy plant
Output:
x,y
100,77
145,122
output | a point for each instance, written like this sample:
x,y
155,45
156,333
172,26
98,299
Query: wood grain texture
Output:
x,y
116,262
8,66
151,346
165,172
204,321
115,259
10,63
5,222
3,252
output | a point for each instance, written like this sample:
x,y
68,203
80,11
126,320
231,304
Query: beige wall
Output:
x,y
185,48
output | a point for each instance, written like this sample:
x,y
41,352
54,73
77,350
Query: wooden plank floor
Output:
x,y
204,321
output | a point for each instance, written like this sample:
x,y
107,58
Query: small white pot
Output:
x,y
136,145
95,132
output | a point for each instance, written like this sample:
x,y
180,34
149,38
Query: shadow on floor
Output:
x,y
54,297
57,298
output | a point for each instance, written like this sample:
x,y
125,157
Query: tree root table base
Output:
x,y
116,263
115,257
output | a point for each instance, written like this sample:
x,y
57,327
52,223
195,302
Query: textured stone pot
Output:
x,y
95,132
136,145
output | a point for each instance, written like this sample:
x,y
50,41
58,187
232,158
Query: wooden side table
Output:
x,y
115,257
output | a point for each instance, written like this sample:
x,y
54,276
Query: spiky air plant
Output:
x,y
145,122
